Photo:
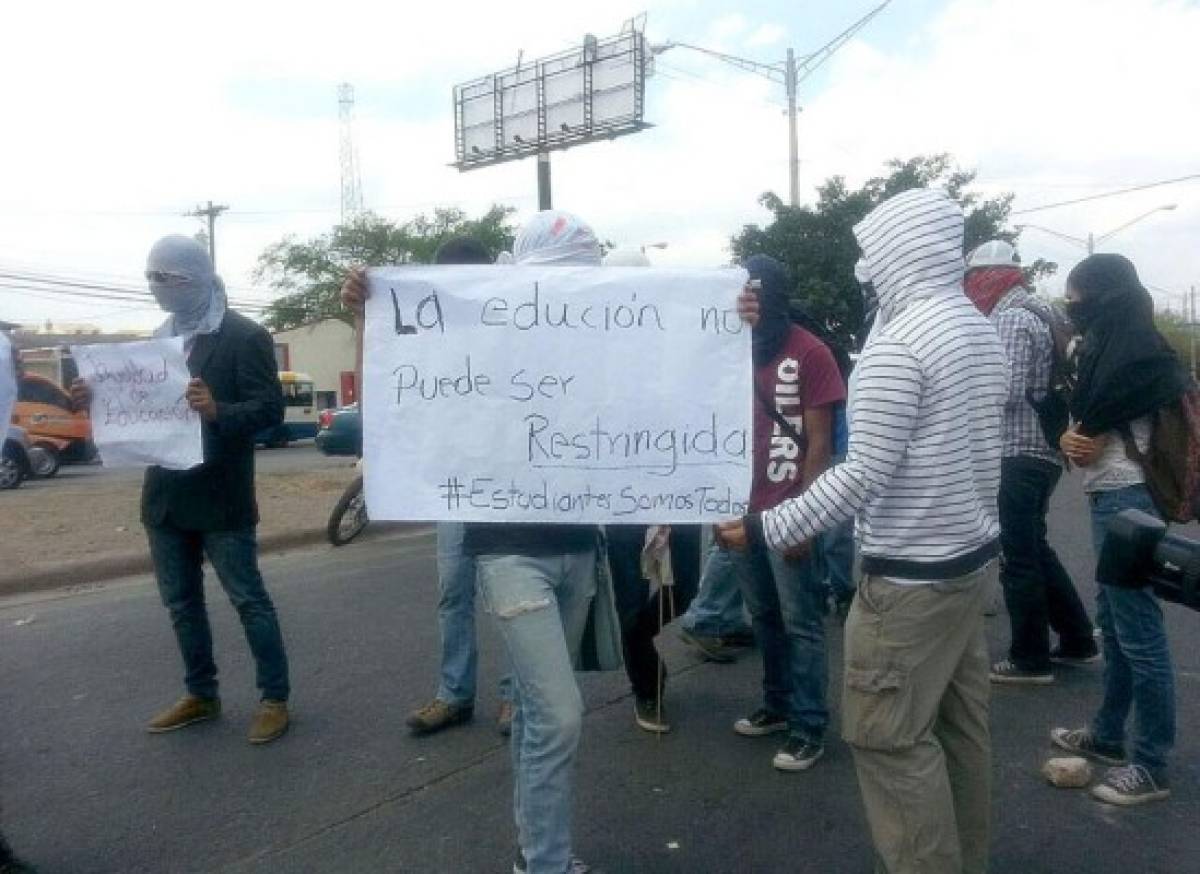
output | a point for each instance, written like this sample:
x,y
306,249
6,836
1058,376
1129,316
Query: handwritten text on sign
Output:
x,y
556,394
139,414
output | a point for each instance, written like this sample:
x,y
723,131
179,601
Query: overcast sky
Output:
x,y
121,116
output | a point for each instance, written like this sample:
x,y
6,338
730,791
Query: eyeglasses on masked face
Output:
x,y
166,277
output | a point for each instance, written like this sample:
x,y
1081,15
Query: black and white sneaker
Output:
x,y
1005,671
1130,785
650,715
798,754
1062,657
1081,742
760,723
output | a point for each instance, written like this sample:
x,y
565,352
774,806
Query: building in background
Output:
x,y
325,351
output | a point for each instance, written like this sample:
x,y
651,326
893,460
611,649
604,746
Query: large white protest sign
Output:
x,y
140,416
556,394
8,386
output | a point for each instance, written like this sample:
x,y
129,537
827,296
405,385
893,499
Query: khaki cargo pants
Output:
x,y
915,713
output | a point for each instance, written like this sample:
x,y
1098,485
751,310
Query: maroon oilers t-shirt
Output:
x,y
802,376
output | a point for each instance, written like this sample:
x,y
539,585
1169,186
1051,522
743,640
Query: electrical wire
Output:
x,y
1190,178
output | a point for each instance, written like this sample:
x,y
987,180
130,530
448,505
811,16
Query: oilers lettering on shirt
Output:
x,y
784,458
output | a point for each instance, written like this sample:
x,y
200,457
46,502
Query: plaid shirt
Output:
x,y
1030,350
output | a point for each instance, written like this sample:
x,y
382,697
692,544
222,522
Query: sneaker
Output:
x,y
798,754
575,866
1004,671
713,649
188,710
1081,742
760,723
270,722
650,715
1130,785
438,714
504,718
1087,657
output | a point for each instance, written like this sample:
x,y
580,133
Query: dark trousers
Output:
x,y
1037,589
178,564
639,612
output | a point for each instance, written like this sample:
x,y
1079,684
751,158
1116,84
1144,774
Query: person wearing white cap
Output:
x,y
1038,590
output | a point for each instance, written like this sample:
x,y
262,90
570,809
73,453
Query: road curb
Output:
x,y
112,567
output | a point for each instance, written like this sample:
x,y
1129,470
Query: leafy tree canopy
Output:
x,y
818,246
310,273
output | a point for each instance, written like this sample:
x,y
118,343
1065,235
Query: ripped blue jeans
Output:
x,y
540,605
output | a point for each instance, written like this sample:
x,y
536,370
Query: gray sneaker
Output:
x,y
1129,785
760,723
575,866
1081,742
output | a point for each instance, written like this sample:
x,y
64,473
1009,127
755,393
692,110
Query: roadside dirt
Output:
x,y
94,514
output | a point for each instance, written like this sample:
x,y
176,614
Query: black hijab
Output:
x,y
774,320
1126,368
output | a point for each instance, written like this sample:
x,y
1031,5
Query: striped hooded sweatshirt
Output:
x,y
926,406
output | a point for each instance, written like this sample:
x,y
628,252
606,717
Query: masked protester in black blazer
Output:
x,y
210,509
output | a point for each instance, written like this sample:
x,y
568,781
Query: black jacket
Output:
x,y
237,363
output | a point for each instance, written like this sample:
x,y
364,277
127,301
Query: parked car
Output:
x,y
341,431
59,432
14,462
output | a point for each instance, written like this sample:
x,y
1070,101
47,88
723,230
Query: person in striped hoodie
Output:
x,y
920,479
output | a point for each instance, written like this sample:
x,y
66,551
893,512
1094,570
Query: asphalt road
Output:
x,y
86,790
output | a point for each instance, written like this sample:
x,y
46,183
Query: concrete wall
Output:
x,y
323,350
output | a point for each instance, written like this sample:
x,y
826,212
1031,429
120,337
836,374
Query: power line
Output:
x,y
1117,193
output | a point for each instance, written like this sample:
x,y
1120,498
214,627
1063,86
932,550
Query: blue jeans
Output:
x,y
456,620
541,605
1137,660
836,548
178,566
716,610
786,600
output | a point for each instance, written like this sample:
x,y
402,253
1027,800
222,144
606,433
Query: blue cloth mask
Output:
x,y
183,283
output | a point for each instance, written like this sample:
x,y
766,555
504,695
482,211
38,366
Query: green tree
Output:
x,y
309,274
818,246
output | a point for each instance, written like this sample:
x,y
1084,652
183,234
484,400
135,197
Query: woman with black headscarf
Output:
x,y
1126,372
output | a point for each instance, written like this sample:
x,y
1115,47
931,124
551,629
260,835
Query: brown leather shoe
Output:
x,y
438,714
188,710
270,722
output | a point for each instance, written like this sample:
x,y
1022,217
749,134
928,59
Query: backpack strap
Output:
x,y
776,416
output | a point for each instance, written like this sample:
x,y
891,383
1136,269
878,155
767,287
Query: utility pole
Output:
x,y
543,179
791,73
210,212
790,83
1192,330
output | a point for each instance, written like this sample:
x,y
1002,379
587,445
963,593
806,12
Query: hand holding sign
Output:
x,y
144,407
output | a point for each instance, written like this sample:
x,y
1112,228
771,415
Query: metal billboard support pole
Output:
x,y
794,147
543,180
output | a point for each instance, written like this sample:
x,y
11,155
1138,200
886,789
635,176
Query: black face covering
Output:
x,y
1126,369
773,309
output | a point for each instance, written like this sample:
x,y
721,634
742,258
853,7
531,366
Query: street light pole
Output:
x,y
791,83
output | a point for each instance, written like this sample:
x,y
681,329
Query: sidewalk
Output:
x,y
83,527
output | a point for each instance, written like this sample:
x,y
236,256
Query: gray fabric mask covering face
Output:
x,y
183,283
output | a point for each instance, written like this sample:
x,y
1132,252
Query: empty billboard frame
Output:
x,y
592,93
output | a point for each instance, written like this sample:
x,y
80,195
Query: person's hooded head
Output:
x,y
912,247
774,316
993,270
555,237
1126,368
1104,290
184,284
